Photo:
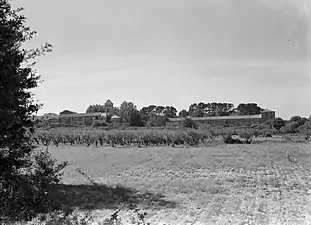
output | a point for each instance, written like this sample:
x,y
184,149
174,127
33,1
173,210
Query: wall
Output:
x,y
227,120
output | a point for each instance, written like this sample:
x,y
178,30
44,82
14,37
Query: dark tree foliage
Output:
x,y
148,113
277,123
248,109
170,112
96,108
183,114
300,120
135,119
147,110
24,173
210,109
125,110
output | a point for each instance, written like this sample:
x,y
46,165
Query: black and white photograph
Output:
x,y
155,112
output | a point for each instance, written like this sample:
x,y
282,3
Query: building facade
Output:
x,y
246,120
70,118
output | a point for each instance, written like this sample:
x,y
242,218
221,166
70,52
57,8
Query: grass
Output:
x,y
222,184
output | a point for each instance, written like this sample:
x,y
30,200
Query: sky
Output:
x,y
173,52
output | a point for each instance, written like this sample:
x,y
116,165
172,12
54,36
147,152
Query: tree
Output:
x,y
298,119
24,173
210,109
146,112
170,112
277,123
183,114
135,119
196,110
248,109
219,109
96,108
159,110
126,109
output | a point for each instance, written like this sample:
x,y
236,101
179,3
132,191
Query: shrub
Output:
x,y
247,136
298,119
277,123
189,123
291,128
303,120
29,190
305,129
99,123
229,140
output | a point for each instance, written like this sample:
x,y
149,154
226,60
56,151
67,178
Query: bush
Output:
x,y
29,190
277,123
229,140
247,136
305,129
291,128
99,123
300,120
189,123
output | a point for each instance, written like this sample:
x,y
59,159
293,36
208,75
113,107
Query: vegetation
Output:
x,y
277,123
26,174
30,179
223,184
148,113
136,120
189,123
96,108
248,109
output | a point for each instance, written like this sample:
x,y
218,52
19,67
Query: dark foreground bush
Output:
x,y
27,191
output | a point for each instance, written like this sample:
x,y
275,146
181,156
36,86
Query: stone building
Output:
x,y
108,107
70,118
82,119
247,120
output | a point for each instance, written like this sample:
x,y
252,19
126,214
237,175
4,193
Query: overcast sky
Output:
x,y
173,52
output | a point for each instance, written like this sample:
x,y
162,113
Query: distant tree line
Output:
x,y
157,114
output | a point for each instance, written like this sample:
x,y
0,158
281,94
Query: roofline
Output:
x,y
218,118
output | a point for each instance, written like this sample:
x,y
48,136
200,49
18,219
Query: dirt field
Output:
x,y
223,184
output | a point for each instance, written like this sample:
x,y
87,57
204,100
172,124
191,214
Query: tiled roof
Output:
x,y
67,112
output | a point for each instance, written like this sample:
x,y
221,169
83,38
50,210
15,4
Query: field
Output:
x,y
214,184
